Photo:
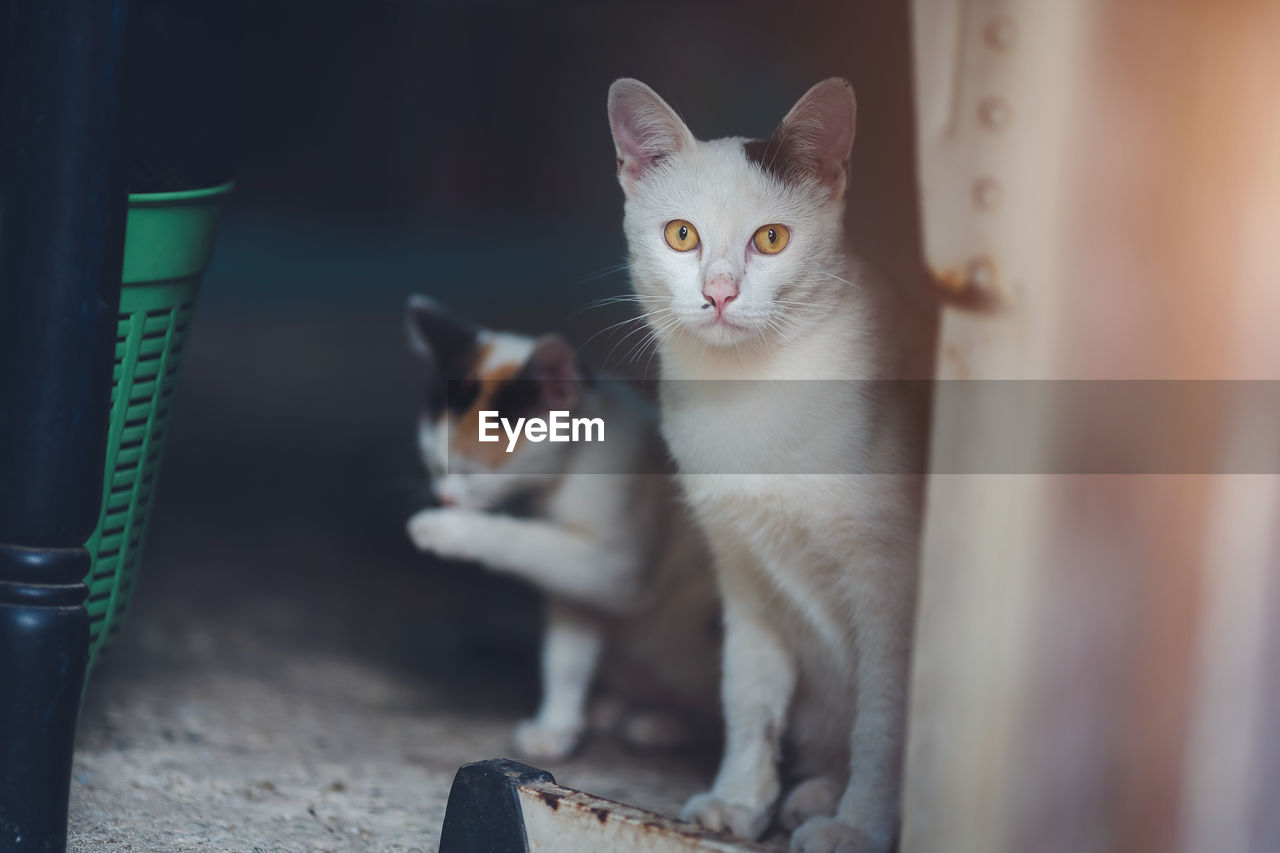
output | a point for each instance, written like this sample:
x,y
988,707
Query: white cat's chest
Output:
x,y
788,543
765,427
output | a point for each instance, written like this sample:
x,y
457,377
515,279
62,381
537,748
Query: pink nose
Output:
x,y
719,292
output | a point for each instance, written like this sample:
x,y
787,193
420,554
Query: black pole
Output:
x,y
63,185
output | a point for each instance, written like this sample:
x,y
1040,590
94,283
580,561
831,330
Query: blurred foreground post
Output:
x,y
62,185
1098,657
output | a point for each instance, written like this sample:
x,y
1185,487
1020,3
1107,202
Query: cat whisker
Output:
x,y
611,300
638,347
653,352
605,302
775,326
604,273
620,341
784,325
803,306
640,319
637,350
668,331
609,328
838,278
661,334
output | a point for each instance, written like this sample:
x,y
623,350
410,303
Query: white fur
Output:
x,y
629,597
504,348
816,570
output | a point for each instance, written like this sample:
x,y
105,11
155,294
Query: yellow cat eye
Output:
x,y
681,235
771,239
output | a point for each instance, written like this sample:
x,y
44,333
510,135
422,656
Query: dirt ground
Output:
x,y
229,734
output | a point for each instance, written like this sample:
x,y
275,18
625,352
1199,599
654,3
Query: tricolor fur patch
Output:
x,y
477,370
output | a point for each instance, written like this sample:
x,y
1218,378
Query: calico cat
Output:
x,y
737,246
629,594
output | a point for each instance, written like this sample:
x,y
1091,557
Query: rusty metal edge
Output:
x,y
665,833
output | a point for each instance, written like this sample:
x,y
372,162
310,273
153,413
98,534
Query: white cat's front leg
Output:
x,y
759,678
571,651
866,820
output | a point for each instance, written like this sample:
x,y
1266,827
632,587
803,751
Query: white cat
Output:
x,y
630,594
736,246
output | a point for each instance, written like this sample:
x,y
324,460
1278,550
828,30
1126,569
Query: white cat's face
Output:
x,y
734,241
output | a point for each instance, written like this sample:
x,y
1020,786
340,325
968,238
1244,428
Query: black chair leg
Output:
x,y
63,190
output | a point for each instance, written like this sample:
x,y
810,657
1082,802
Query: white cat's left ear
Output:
x,y
816,137
645,130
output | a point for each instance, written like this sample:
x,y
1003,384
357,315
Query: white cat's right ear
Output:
x,y
646,130
815,139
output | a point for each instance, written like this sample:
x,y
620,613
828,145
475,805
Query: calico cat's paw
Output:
x,y
829,835
653,730
444,532
537,741
607,714
717,815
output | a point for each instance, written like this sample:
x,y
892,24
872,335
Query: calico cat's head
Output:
x,y
474,369
734,241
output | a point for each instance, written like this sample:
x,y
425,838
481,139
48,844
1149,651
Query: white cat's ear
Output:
x,y
645,130
437,335
815,140
553,367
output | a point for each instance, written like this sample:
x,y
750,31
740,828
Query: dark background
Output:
x,y
456,149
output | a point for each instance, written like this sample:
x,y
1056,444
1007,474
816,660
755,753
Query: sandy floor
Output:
x,y
203,736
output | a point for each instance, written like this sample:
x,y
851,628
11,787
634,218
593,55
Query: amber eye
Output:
x,y
681,235
771,239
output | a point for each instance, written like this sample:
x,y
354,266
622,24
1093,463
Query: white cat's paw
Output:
x,y
710,812
829,835
816,797
443,532
537,741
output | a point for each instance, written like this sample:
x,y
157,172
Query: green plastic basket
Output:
x,y
168,244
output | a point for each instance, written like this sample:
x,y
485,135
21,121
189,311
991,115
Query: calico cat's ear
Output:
x,y
552,366
438,336
815,140
645,130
